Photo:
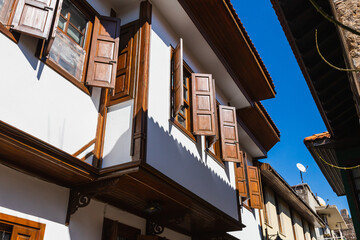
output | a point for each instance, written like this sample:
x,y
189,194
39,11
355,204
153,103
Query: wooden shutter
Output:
x,y
229,134
178,78
203,104
24,233
104,52
240,177
214,139
34,17
53,28
110,230
125,73
254,187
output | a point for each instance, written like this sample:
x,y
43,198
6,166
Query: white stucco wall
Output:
x,y
118,134
169,150
29,198
37,100
253,228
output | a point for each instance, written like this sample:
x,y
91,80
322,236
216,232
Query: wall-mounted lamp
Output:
x,y
153,207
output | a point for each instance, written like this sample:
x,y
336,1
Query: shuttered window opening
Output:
x,y
104,52
240,178
254,187
125,73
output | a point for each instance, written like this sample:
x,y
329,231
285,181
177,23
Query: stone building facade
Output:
x,y
349,233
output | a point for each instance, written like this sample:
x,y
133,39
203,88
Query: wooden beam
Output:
x,y
141,101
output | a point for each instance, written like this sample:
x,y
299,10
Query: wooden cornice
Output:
x,y
33,156
260,124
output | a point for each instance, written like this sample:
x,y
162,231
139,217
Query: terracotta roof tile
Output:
x,y
317,137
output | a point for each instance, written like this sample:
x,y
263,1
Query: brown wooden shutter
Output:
x,y
229,134
24,233
34,17
178,78
240,177
203,104
254,187
214,139
125,73
104,52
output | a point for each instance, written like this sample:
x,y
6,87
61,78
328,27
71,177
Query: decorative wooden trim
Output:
x,y
14,36
153,228
81,196
11,220
100,131
86,146
141,100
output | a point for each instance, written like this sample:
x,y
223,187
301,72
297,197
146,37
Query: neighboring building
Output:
x,y
349,233
113,127
336,93
286,215
334,223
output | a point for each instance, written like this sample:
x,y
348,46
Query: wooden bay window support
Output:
x,y
153,228
81,197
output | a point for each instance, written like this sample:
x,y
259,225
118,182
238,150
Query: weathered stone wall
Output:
x,y
349,233
349,14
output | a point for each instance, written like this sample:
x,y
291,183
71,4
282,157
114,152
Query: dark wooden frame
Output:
x,y
173,119
140,114
130,84
16,221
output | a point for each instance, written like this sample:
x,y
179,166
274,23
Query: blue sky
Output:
x,y
293,109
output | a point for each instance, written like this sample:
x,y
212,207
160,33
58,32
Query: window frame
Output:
x,y
5,28
173,119
89,12
16,221
216,145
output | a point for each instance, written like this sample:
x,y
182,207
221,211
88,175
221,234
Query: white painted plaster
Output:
x,y
171,151
37,100
252,230
118,134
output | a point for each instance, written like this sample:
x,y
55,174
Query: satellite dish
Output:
x,y
301,167
321,201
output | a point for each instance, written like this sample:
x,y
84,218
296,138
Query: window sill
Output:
x,y
216,158
14,36
66,75
184,130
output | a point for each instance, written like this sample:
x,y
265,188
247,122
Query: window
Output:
x,y
18,228
6,7
66,28
113,230
183,117
72,41
279,217
125,74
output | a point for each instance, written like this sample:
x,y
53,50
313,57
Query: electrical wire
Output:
x,y
334,166
327,62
